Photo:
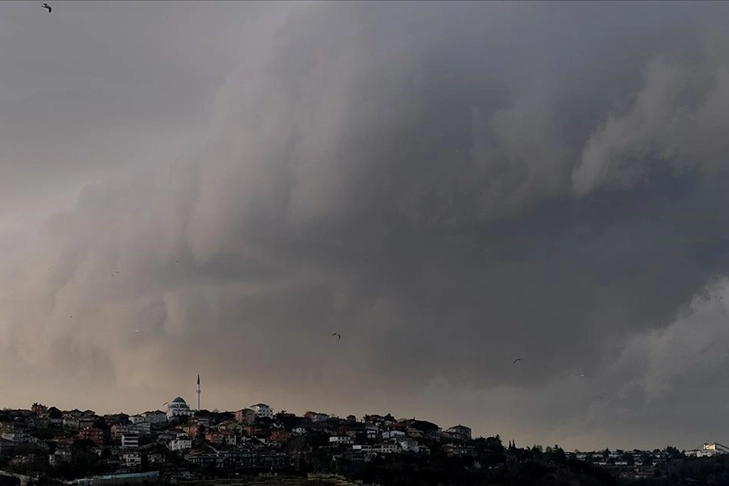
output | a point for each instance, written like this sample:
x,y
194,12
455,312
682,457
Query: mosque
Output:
x,y
179,408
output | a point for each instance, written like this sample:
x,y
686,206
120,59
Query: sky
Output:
x,y
216,188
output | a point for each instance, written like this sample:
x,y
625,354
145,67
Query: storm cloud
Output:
x,y
449,186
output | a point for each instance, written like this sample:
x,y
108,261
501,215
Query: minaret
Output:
x,y
198,392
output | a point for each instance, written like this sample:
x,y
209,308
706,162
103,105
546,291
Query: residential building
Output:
x,y
231,426
392,434
712,449
386,448
156,458
180,443
408,445
142,430
132,459
457,450
70,422
281,436
92,434
78,422
86,421
221,437
39,422
155,417
60,456
341,439
245,416
262,410
16,435
203,458
130,441
316,416
460,432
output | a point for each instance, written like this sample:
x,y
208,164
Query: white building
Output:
x,y
341,439
59,457
155,417
181,443
458,432
262,410
132,459
712,449
386,448
143,428
136,419
16,436
178,408
130,441
392,434
408,445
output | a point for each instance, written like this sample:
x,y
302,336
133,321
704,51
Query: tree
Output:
x,y
82,444
54,413
287,420
673,453
558,455
100,424
628,458
647,459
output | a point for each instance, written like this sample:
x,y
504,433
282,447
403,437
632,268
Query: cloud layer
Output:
x,y
449,186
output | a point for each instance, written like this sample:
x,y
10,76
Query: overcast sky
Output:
x,y
449,186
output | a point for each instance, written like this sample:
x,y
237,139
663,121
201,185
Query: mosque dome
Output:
x,y
179,408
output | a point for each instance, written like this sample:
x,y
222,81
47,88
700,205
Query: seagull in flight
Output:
x,y
48,7
339,336
516,360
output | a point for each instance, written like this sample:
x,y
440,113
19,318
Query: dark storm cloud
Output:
x,y
449,186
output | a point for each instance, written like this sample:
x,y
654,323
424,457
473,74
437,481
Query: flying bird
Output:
x,y
515,361
339,336
48,7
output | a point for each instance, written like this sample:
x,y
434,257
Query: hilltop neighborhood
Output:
x,y
177,444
